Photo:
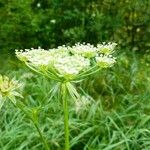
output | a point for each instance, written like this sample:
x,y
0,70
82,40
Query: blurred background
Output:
x,y
49,23
121,93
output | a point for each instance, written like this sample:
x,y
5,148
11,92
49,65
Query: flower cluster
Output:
x,y
8,89
85,50
105,61
71,65
68,62
106,48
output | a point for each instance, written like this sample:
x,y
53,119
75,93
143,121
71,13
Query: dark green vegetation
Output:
x,y
49,23
117,116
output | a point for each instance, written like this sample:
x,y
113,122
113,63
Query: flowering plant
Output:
x,y
68,65
9,90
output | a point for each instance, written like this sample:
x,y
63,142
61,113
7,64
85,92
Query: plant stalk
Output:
x,y
66,116
21,107
41,136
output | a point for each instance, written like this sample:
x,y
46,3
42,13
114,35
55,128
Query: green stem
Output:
x,y
66,116
21,107
41,136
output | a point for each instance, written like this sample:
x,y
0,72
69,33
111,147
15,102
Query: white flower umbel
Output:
x,y
105,61
36,57
85,50
106,48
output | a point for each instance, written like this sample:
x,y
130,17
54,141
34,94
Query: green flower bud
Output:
x,y
8,89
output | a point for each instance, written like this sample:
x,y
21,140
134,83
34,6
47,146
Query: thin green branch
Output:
x,y
21,106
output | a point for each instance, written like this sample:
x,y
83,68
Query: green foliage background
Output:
x,y
49,23
118,115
